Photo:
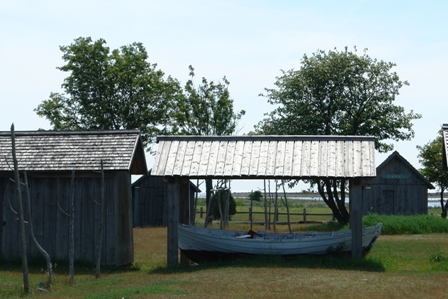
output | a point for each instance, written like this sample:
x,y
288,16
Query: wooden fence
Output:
x,y
294,217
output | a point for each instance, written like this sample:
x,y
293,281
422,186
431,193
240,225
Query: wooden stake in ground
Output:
x,y
26,283
39,247
71,232
100,238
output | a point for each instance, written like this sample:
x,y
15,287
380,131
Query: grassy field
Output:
x,y
399,266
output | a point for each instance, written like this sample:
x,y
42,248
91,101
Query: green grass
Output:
x,y
409,260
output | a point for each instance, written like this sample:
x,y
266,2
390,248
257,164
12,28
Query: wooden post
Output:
x,y
137,206
304,215
173,219
185,210
355,203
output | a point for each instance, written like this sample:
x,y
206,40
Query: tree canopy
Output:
x,y
339,93
107,89
206,109
431,158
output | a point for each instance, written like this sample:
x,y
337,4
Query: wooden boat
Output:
x,y
202,244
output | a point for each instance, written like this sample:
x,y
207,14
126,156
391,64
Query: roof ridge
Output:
x,y
68,132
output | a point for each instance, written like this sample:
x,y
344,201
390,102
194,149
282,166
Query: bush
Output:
x,y
393,224
255,195
221,195
415,224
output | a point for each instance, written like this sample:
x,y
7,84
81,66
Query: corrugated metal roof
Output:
x,y
445,146
265,156
74,150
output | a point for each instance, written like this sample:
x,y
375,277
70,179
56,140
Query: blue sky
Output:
x,y
249,42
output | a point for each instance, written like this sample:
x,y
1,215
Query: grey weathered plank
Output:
x,y
188,159
171,159
245,161
230,156
221,158
213,157
263,158
255,158
204,160
272,152
197,154
180,158
280,158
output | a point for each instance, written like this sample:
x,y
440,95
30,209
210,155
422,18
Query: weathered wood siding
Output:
x,y
150,204
150,208
51,225
398,189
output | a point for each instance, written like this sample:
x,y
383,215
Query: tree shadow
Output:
x,y
310,262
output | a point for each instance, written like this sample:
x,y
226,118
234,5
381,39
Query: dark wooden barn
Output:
x,y
150,201
398,189
49,159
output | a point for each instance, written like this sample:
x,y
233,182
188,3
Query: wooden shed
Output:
x,y
180,158
149,201
398,189
49,157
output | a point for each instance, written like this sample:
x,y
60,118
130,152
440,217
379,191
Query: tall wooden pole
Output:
x,y
173,220
355,203
26,283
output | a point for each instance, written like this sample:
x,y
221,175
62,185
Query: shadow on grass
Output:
x,y
61,267
311,262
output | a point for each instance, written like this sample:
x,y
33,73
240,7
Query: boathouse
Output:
x,y
181,158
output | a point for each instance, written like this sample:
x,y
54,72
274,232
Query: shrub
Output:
x,y
413,224
221,196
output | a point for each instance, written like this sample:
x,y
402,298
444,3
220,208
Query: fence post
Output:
x,y
201,212
304,214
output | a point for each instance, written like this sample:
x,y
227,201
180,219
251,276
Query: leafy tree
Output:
x,y
206,109
106,89
339,93
430,156
255,195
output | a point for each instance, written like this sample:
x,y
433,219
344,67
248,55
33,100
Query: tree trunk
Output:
x,y
337,205
287,207
266,222
39,247
26,283
101,228
208,192
443,204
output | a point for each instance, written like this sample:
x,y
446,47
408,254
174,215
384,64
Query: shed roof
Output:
x,y
258,157
445,146
48,151
396,155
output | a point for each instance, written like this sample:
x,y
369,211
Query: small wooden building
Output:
x,y
49,159
150,201
398,189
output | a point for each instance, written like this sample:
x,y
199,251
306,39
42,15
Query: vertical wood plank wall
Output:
x,y
51,225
